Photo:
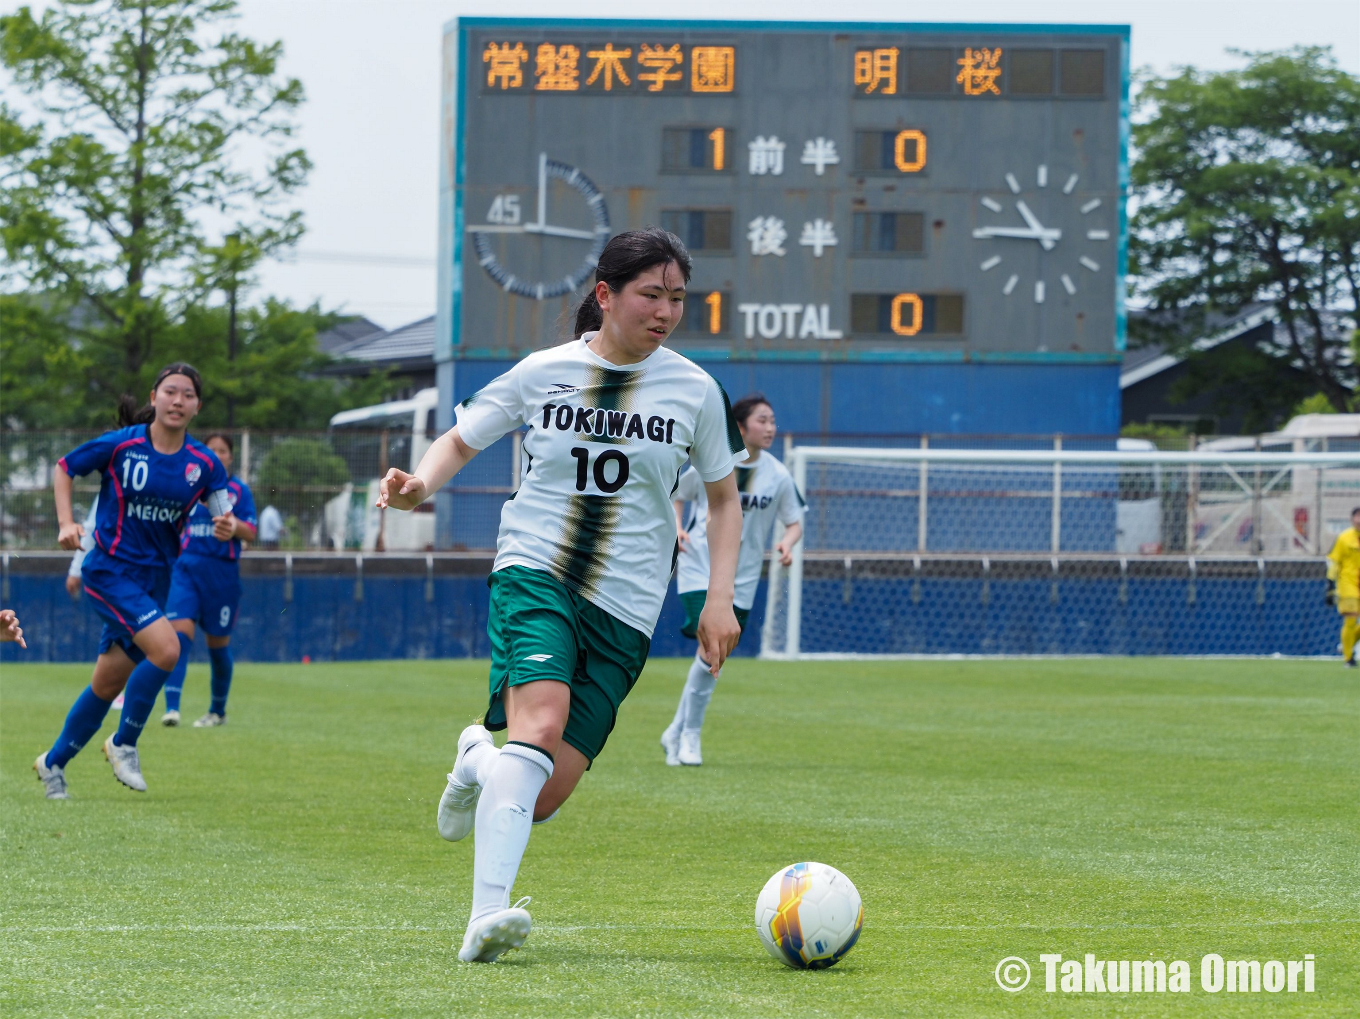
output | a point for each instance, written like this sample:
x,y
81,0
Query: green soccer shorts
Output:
x,y
541,629
694,604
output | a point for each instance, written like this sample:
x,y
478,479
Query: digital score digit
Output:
x,y
909,151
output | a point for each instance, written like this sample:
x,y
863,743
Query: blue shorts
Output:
x,y
205,590
128,597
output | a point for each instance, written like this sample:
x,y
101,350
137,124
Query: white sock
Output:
x,y
678,722
505,815
698,689
475,767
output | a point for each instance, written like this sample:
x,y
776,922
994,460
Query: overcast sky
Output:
x,y
370,124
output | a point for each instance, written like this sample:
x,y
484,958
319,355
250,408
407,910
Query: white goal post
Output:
x,y
921,551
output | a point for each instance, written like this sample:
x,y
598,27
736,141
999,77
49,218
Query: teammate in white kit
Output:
x,y
585,552
768,496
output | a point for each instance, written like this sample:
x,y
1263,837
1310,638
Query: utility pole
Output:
x,y
233,249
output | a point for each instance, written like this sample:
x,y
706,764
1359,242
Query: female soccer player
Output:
x,y
585,552
768,494
205,587
153,474
1343,585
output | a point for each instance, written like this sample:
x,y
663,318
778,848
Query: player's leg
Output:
x,y
174,686
536,713
181,608
159,642
693,602
699,686
534,644
87,714
1349,631
218,622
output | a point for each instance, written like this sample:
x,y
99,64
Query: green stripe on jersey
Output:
x,y
586,541
608,390
734,439
745,475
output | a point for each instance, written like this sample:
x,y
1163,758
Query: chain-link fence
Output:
x,y
929,550
322,485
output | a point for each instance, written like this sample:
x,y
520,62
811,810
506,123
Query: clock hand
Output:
x,y
542,188
1046,237
558,231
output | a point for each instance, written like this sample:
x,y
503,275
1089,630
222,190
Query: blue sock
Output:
x,y
174,686
82,722
143,687
221,678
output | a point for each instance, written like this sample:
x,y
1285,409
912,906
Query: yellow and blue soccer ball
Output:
x,y
809,915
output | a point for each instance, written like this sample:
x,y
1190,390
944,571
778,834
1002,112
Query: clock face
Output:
x,y
504,218
1046,216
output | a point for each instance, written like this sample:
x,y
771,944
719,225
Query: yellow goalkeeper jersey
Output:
x,y
1344,564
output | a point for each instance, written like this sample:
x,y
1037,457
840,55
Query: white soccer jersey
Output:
x,y
602,458
768,495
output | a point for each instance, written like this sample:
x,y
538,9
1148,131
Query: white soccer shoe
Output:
x,y
670,742
458,806
170,718
689,747
493,935
209,721
53,778
126,767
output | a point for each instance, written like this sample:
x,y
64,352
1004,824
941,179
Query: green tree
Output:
x,y
299,476
125,197
1246,188
275,379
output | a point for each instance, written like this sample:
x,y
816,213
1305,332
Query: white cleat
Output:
x,y
495,934
689,747
53,778
458,806
670,742
170,718
126,767
210,720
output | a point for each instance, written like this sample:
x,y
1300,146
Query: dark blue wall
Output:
x,y
969,399
323,621
1144,616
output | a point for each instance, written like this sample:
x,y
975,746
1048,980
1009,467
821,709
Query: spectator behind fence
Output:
x,y
271,527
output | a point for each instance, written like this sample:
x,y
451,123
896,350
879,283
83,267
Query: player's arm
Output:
x,y
793,534
69,532
681,535
718,630
446,456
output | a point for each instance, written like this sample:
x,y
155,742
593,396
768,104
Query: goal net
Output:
x,y
1047,552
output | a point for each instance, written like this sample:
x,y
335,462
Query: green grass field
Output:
x,y
288,864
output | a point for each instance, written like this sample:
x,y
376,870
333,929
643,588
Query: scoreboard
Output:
x,y
849,192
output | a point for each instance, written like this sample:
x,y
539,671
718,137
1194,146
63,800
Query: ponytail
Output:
x,y
589,316
129,413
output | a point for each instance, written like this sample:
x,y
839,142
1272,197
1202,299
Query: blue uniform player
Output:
x,y
205,588
153,476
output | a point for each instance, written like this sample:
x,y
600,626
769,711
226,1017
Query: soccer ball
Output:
x,y
809,915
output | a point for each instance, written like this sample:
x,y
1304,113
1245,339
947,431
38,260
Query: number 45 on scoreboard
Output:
x,y
504,210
